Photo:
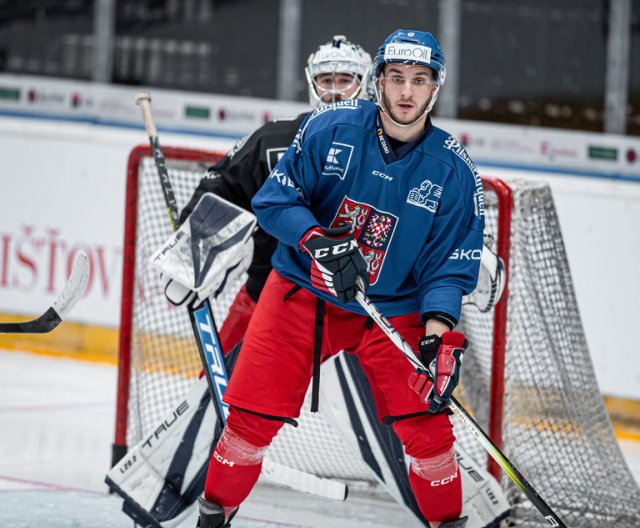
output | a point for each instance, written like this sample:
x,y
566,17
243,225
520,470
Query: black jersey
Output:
x,y
238,176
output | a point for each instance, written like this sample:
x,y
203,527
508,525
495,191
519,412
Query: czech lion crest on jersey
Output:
x,y
372,229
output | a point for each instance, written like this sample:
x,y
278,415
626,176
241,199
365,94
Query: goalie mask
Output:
x,y
338,70
410,47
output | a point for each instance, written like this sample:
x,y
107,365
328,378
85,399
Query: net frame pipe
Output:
x,y
496,396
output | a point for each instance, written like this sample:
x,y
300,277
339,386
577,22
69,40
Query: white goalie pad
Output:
x,y
162,475
211,248
491,282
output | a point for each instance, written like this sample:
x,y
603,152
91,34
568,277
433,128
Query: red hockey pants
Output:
x,y
273,372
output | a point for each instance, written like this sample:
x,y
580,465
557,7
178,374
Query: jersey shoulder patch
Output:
x,y
352,111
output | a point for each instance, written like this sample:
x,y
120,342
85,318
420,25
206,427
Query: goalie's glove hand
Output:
x,y
337,265
443,356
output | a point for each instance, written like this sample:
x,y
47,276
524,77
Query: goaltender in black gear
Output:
x,y
339,70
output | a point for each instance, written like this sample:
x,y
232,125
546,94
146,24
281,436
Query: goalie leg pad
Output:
x,y
236,461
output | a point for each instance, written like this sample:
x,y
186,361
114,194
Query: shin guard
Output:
x,y
236,461
233,470
437,487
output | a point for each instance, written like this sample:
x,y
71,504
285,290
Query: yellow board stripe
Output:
x,y
69,339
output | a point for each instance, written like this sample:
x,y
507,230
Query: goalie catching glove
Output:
x,y
443,356
337,265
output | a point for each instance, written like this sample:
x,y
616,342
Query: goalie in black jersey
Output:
x,y
337,71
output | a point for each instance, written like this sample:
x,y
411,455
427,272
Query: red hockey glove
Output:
x,y
443,356
337,263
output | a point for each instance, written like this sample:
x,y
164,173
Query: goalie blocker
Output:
x,y
211,249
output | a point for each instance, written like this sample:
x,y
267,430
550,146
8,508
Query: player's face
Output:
x,y
407,90
332,87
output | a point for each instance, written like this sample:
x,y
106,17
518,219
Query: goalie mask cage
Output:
x,y
527,378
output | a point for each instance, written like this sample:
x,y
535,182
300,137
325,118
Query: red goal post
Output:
x,y
134,161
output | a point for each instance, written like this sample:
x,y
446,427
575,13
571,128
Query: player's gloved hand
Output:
x,y
443,356
337,265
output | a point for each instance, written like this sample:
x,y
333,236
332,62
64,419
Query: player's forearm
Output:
x,y
434,326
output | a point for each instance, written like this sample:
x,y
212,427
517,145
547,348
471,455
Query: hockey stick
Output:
x,y
64,303
463,416
144,101
201,318
208,342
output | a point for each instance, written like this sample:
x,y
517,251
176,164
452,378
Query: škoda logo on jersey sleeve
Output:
x,y
338,159
372,229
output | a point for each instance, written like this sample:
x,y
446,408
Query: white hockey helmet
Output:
x,y
339,56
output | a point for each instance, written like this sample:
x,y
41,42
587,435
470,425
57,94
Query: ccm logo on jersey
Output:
x,y
466,254
338,249
382,175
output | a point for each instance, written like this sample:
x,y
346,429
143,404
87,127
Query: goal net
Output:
x,y
527,379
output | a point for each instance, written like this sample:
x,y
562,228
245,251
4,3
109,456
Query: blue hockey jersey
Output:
x,y
417,212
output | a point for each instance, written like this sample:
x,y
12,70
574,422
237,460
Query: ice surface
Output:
x,y
56,423
56,429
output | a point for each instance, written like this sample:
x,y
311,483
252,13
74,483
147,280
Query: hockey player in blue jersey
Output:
x,y
375,197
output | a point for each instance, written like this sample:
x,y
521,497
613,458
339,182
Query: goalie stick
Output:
x,y
460,412
63,304
209,348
